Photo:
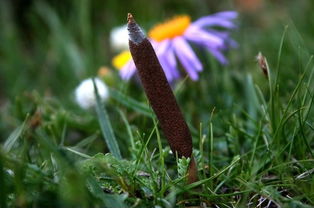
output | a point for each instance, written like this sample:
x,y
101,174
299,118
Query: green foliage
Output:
x,y
105,126
183,164
253,136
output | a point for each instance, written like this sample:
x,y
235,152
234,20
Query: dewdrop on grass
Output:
x,y
85,93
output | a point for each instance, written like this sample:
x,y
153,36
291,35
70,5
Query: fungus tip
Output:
x,y
136,35
130,18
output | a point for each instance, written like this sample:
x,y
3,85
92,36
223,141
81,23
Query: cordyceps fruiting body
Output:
x,y
160,96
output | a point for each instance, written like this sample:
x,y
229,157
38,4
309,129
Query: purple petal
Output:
x,y
222,34
161,52
166,67
173,63
161,47
184,48
214,20
233,43
169,64
183,52
227,14
154,43
166,58
228,42
200,35
217,54
128,70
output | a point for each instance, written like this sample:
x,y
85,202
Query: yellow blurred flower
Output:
x,y
121,59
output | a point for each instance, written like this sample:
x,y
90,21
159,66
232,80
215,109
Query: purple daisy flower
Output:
x,y
171,41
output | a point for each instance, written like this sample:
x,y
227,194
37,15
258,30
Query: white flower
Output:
x,y
119,38
85,94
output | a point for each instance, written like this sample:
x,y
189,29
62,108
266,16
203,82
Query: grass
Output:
x,y
253,137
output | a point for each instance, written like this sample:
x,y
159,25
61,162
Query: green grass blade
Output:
x,y
200,182
14,137
280,53
77,152
87,141
128,128
3,188
106,127
131,103
161,156
108,199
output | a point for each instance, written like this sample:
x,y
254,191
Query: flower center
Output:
x,y
170,29
121,59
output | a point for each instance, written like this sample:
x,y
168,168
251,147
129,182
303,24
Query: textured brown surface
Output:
x,y
192,171
161,98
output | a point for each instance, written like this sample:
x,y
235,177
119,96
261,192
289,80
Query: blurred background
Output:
x,y
47,47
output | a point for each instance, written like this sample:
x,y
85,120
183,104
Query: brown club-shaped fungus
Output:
x,y
160,96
